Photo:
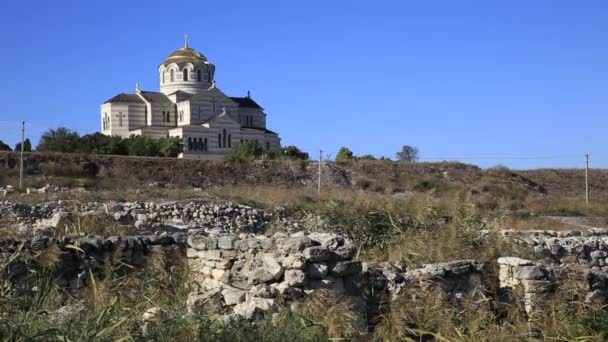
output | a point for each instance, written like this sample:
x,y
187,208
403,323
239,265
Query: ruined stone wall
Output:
x,y
72,261
588,248
249,275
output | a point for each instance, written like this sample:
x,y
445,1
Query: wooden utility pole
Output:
x,y
587,181
319,180
21,163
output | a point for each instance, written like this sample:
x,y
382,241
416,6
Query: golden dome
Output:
x,y
185,55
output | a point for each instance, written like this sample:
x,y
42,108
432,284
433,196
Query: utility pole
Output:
x,y
587,181
319,181
21,163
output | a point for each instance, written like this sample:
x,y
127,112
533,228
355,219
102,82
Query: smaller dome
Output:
x,y
185,55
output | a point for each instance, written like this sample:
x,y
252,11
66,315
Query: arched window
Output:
x,y
208,75
219,140
163,77
189,144
195,145
172,75
205,146
224,139
198,75
185,73
230,140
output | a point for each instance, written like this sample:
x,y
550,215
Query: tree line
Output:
x,y
69,141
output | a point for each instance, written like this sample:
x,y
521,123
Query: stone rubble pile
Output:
x,y
248,275
533,282
147,216
47,189
588,248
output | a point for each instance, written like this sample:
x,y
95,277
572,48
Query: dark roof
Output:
x,y
153,96
182,93
265,130
122,97
246,102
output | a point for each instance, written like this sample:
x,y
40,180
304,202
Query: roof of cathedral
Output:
x,y
246,102
265,130
123,97
185,55
153,96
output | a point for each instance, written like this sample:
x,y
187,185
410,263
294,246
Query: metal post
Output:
x,y
587,181
319,180
21,163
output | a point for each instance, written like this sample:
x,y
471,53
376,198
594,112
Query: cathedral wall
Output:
x,y
136,115
202,106
257,115
158,118
192,85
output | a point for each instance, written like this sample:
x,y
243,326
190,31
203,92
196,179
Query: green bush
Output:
x,y
4,147
250,150
344,155
27,146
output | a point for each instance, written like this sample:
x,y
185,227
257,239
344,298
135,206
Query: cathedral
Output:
x,y
189,106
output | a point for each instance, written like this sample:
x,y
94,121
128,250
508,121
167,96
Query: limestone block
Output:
x,y
295,244
202,242
294,261
327,240
514,261
232,295
226,242
262,291
532,272
259,276
254,308
344,268
316,270
271,264
295,278
317,253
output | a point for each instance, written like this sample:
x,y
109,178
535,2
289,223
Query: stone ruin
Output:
x,y
249,275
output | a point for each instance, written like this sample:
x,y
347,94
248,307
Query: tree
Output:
x,y
289,152
145,146
27,146
59,140
171,147
4,147
408,154
246,151
344,154
366,157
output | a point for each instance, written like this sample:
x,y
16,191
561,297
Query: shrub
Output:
x,y
246,151
59,140
27,146
408,154
290,152
4,147
344,155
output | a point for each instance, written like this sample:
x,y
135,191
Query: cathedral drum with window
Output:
x,y
191,107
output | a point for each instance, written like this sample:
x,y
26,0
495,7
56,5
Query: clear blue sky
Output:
x,y
461,79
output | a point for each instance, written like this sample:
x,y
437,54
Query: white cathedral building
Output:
x,y
189,106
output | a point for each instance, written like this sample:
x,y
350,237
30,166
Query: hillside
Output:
x,y
375,176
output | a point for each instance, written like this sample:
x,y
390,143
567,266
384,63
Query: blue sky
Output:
x,y
518,83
